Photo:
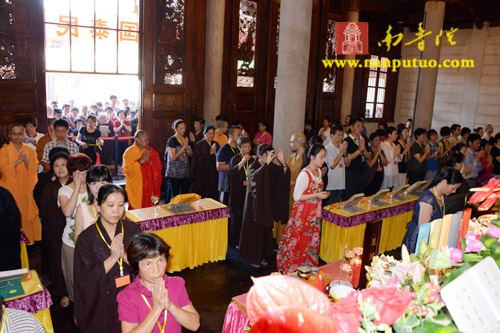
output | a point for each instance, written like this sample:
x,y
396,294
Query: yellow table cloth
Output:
x,y
35,297
340,228
195,238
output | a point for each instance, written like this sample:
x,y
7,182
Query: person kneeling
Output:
x,y
154,302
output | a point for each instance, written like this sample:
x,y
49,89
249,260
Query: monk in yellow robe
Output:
x,y
298,144
18,174
142,168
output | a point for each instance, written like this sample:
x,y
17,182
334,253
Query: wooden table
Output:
x,y
195,238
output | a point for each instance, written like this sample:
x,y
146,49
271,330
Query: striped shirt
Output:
x,y
18,321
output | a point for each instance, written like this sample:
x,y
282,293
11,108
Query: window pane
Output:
x,y
369,110
128,11
381,80
128,56
384,63
372,79
56,8
56,48
105,51
374,61
380,95
246,44
82,51
169,65
106,13
379,111
83,11
370,95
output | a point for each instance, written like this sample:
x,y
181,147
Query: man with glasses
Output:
x,y
61,129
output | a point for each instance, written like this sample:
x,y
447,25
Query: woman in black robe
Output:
x,y
238,179
205,175
53,224
264,179
10,232
101,269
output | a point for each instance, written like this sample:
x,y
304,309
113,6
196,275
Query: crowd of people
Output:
x,y
93,254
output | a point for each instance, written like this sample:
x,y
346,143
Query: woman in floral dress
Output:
x,y
300,241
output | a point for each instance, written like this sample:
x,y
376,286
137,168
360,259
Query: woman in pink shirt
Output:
x,y
262,135
143,305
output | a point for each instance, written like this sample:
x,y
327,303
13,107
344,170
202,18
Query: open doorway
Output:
x,y
92,54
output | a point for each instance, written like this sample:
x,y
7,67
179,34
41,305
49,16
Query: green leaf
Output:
x,y
464,246
493,246
472,257
439,260
441,318
496,223
430,327
457,272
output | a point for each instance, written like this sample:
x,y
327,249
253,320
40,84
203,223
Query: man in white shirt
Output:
x,y
489,132
335,151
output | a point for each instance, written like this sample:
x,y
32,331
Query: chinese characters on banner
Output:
x,y
128,30
351,38
420,34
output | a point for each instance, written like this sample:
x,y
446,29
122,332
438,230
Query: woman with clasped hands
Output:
x,y
154,302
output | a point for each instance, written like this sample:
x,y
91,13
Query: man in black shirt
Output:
x,y
224,156
355,159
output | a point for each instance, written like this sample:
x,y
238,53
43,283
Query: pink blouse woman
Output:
x,y
262,135
154,302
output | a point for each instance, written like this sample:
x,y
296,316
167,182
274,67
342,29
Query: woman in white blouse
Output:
x,y
392,153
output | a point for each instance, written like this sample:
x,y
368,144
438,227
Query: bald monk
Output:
x,y
18,174
298,145
142,168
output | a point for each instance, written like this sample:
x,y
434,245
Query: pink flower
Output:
x,y
473,245
391,303
456,256
471,236
493,231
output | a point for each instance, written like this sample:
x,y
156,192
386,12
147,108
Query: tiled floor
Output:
x,y
210,288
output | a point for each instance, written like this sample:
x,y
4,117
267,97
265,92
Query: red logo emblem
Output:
x,y
351,38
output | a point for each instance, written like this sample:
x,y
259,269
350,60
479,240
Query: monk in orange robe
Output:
x,y
142,168
298,145
18,174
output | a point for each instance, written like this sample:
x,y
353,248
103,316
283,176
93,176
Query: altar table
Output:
x,y
341,230
36,301
194,238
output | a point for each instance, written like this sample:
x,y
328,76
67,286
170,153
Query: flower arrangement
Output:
x,y
403,295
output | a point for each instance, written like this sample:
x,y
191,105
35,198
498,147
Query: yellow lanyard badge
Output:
x,y
120,260
162,329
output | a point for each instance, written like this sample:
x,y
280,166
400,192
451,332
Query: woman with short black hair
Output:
x,y
154,302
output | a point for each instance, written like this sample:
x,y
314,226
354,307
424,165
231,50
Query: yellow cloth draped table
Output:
x,y
24,253
340,228
195,238
36,300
